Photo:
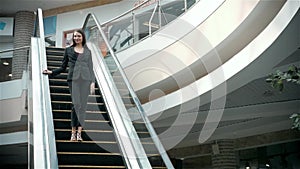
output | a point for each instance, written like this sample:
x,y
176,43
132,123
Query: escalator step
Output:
x,y
66,114
66,124
89,167
88,135
88,158
87,146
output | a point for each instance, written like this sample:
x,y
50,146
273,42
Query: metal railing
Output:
x,y
41,143
11,50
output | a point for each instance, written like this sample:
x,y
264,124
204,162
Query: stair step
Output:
x,y
89,153
69,102
100,142
65,124
54,56
87,146
66,114
104,159
68,106
93,121
90,167
95,131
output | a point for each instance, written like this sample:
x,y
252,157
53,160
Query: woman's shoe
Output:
x,y
79,138
73,137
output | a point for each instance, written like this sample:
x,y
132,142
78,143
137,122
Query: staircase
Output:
x,y
99,148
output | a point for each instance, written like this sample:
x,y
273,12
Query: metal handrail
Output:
x,y
150,128
43,136
151,18
11,50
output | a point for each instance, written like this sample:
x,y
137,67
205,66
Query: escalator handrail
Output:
x,y
137,102
43,136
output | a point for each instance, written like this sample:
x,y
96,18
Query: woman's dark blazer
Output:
x,y
81,66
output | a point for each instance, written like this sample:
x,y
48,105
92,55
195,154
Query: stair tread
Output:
x,y
88,111
89,153
89,142
91,121
70,102
95,131
88,166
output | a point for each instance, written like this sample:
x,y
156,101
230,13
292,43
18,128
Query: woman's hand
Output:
x,y
92,88
47,72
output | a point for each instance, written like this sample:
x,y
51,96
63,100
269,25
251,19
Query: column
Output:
x,y
223,155
23,31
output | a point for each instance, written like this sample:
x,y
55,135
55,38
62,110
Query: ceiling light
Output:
x,y
5,63
247,165
268,164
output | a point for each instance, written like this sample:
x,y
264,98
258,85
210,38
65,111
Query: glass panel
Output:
x,y
140,23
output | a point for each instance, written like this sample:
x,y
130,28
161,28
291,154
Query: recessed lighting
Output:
x,y
5,63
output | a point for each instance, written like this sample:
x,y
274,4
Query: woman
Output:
x,y
80,80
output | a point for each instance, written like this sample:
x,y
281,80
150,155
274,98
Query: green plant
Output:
x,y
296,121
276,80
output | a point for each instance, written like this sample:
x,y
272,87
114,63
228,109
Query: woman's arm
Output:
x,y
64,64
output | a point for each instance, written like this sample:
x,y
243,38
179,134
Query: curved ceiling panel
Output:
x,y
195,51
239,62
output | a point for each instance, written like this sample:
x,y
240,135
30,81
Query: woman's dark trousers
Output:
x,y
79,90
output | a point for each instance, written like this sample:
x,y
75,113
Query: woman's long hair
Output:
x,y
83,37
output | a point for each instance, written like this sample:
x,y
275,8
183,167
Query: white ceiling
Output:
x,y
9,7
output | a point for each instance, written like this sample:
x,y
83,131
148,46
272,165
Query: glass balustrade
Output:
x,y
139,23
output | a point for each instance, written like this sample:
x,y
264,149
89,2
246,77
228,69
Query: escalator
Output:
x,y
100,148
117,133
103,145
